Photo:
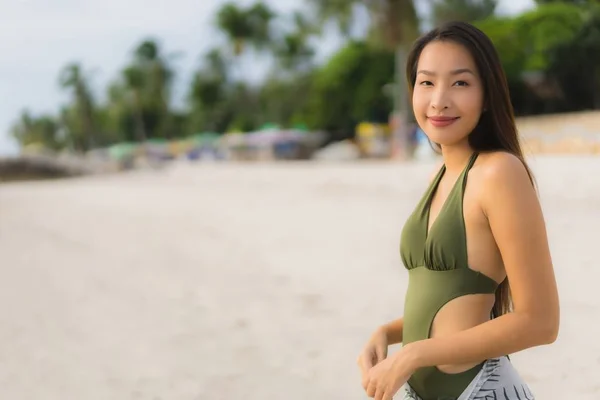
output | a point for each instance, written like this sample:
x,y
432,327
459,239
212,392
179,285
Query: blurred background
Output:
x,y
145,84
239,173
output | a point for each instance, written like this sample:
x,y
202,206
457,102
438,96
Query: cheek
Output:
x,y
471,106
420,103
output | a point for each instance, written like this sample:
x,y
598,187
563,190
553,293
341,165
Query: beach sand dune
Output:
x,y
244,281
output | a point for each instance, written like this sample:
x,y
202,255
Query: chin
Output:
x,y
446,138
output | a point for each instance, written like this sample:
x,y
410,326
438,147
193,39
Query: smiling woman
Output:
x,y
448,92
481,280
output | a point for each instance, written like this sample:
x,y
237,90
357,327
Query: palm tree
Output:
x,y
157,78
462,10
395,25
246,26
73,78
341,12
216,64
40,131
135,82
294,51
207,92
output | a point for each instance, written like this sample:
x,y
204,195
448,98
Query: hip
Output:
x,y
497,379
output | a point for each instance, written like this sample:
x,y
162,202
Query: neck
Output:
x,y
455,157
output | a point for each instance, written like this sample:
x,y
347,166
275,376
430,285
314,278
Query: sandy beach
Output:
x,y
242,281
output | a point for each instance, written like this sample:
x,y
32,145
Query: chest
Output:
x,y
437,233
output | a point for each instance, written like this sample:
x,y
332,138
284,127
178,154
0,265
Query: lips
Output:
x,y
442,121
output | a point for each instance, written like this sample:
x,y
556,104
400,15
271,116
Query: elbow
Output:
x,y
550,332
554,325
541,330
548,329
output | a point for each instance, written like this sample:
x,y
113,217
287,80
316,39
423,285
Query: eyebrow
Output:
x,y
453,72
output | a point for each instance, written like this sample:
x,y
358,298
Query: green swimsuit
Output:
x,y
438,272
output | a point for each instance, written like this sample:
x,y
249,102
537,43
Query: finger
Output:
x,y
379,394
388,395
365,365
359,359
365,381
359,362
372,389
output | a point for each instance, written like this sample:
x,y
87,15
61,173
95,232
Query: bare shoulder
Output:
x,y
503,176
502,168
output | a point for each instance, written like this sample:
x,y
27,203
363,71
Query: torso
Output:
x,y
483,254
454,269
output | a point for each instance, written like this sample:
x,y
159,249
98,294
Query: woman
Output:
x,y
481,280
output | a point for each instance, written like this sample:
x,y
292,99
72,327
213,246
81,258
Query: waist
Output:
x,y
432,384
430,291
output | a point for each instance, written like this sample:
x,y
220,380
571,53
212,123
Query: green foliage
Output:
x,y
394,23
43,130
349,89
574,2
208,95
284,101
81,124
243,25
523,42
526,43
559,40
576,65
341,12
462,10
505,36
546,27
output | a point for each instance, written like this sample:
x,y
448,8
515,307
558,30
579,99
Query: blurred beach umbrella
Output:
x,y
204,138
301,127
269,126
122,150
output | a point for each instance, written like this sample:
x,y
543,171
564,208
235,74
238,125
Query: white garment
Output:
x,y
497,380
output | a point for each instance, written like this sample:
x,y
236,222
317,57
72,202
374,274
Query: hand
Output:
x,y
374,352
387,377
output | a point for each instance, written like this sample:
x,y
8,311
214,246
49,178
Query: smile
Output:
x,y
442,121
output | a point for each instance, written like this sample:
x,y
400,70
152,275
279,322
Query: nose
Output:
x,y
439,99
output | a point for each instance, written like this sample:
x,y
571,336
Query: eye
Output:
x,y
461,83
425,83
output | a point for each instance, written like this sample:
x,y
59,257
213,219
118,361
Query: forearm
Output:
x,y
393,331
507,334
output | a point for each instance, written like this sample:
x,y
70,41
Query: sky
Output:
x,y
39,37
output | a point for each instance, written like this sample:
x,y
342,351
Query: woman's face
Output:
x,y
448,95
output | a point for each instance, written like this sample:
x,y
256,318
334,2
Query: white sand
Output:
x,y
247,281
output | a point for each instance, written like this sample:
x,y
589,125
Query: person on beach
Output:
x,y
481,280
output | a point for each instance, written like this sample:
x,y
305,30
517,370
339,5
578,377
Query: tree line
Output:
x,y
551,55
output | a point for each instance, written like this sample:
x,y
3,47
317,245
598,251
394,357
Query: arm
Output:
x,y
393,331
516,221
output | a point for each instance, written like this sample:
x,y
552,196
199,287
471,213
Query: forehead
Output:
x,y
443,56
